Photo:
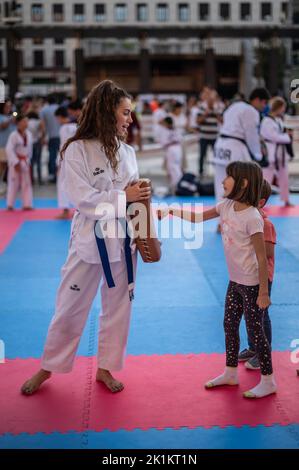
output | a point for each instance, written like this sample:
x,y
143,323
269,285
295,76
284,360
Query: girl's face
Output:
x,y
281,111
228,185
123,117
7,107
22,125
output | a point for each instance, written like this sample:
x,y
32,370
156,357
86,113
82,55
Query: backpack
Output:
x,y
187,186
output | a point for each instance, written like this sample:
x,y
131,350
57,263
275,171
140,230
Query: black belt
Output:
x,y
263,162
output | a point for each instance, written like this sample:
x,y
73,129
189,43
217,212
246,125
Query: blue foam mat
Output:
x,y
178,309
185,316
245,437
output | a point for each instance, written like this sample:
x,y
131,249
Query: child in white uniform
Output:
x,y
66,131
100,174
171,140
19,151
276,140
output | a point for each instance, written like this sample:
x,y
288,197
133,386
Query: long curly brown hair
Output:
x,y
98,121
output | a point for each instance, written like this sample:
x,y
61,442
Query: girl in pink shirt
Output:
x,y
242,229
249,354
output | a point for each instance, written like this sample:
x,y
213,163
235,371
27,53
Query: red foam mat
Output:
x,y
10,222
160,392
280,211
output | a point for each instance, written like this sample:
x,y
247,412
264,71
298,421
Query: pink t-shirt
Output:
x,y
270,237
236,228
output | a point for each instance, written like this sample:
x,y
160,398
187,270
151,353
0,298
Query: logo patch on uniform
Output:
x,y
97,171
75,287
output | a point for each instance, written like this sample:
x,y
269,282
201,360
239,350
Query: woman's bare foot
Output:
x,y
9,208
111,383
28,208
33,384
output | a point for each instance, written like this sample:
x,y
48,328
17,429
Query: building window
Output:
x,y
142,12
203,11
1,60
183,12
37,12
120,12
162,12
58,41
100,12
224,11
59,59
37,41
266,11
11,9
38,58
16,9
284,13
57,12
78,13
245,11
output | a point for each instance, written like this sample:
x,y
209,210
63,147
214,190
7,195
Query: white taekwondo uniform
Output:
x,y
272,131
157,116
171,140
66,131
97,193
19,151
240,121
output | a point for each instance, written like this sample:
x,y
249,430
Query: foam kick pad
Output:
x,y
160,392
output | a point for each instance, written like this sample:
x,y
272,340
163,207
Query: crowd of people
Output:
x,y
252,130
24,130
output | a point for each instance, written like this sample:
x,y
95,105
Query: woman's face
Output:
x,y
123,117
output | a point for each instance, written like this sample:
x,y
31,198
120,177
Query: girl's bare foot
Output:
x,y
27,208
33,384
289,204
111,383
9,208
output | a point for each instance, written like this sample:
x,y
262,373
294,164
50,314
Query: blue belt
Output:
x,y
105,259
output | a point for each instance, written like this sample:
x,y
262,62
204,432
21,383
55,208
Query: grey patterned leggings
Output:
x,y
241,299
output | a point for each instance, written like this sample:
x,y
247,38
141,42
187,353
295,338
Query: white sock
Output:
x,y
229,377
267,386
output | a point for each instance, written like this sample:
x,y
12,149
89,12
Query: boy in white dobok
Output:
x,y
66,131
19,151
239,138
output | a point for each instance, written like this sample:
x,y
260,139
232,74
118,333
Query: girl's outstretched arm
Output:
x,y
263,299
194,217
